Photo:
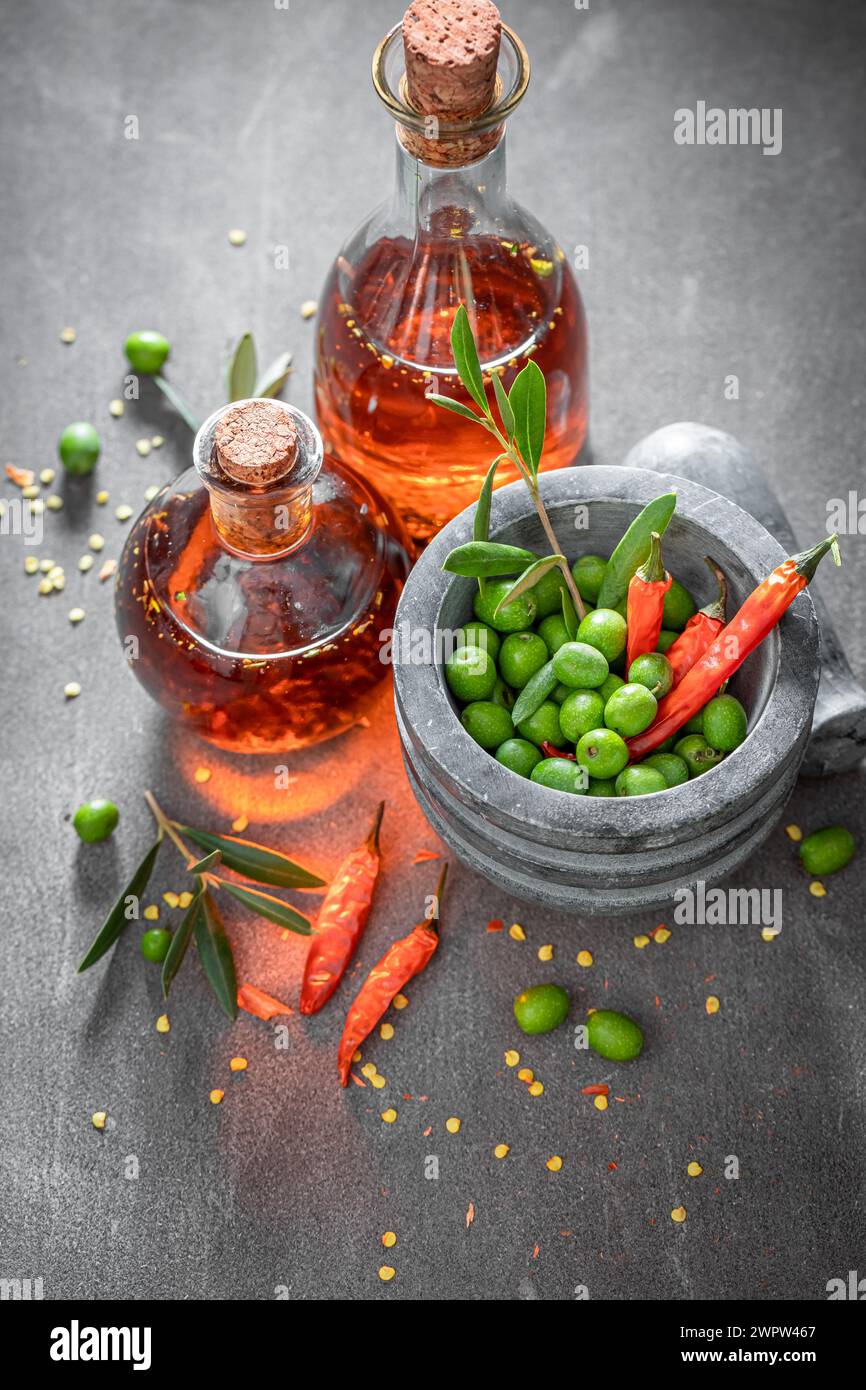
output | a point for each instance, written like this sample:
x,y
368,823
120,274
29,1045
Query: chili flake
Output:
x,y
554,1163
694,1170
516,932
712,1005
389,1115
98,1119
425,855
512,1057
386,1274
600,1089
678,1214
496,924
501,1151
216,1096
600,1102
162,1024
389,1240
545,953
453,1125
584,958
794,833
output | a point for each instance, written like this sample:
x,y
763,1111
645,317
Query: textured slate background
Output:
x,y
704,262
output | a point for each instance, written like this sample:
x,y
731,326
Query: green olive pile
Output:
x,y
595,706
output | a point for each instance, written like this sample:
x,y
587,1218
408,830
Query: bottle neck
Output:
x,y
451,199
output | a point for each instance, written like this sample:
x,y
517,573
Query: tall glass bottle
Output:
x,y
450,233
254,591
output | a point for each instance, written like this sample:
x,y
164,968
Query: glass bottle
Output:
x,y
253,591
449,234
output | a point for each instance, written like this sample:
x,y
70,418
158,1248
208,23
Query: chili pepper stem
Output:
x,y
433,922
718,607
373,837
807,561
652,571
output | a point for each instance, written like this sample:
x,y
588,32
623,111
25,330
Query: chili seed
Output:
x,y
142,447
453,1125
239,825
584,958
157,441
72,690
386,1032
237,237
115,408
238,1064
102,498
554,1163
712,1005
678,1214
389,1115
162,1024
95,541
794,833
512,1058
817,890
369,1070
98,1119
85,563
399,1001
389,1240
171,899
516,932
377,1081
694,1170
151,913
54,503
28,493
600,1102
216,1096
31,564
641,941
76,615
47,476
536,1089
202,774
386,1274
526,1074
545,953
308,308
184,900
123,512
67,335
769,933
501,1151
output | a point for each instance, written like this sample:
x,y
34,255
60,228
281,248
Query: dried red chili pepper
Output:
x,y
759,615
341,921
646,601
402,960
550,751
700,630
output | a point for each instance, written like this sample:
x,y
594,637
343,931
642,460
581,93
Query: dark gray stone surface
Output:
x,y
704,262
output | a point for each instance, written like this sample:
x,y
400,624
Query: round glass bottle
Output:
x,y
449,234
253,590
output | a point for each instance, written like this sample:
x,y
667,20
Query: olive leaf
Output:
x,y
273,909
534,693
505,411
117,918
481,522
466,359
487,558
180,941
177,402
215,954
457,407
254,861
528,400
529,579
241,373
569,615
633,549
274,378
207,863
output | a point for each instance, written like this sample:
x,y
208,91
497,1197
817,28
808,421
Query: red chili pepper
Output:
x,y
404,959
700,630
759,615
550,751
646,602
341,921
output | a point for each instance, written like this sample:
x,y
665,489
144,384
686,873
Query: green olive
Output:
x,y
614,1035
79,448
154,944
827,851
95,820
146,351
541,1008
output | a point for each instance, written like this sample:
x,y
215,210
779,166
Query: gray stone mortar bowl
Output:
x,y
594,855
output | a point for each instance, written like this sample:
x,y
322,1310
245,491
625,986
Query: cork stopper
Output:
x,y
256,443
452,51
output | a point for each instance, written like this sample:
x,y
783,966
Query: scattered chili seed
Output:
x,y
512,1057
536,1089
389,1240
526,1074
501,1151
123,512
142,447
37,506
150,492
386,1032
162,1024
98,1119
157,441
554,1163
545,953
216,1096
171,899
453,1125
237,237
794,833
584,958
516,932
47,476
369,1069
308,308
54,503
202,774
769,933
184,900
31,564
28,493
641,941
96,542
712,1005
386,1273
115,408
678,1214
151,913
72,690
240,824
76,615
102,498
238,1064
817,890
694,1170
67,335
399,1001
600,1102
661,935
46,586
377,1081
389,1115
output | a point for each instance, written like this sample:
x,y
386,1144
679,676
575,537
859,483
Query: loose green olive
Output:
x,y
614,1035
541,1008
827,851
154,944
146,351
95,820
79,448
